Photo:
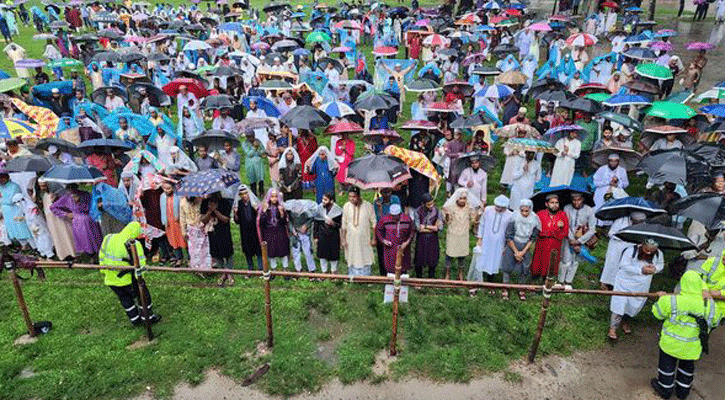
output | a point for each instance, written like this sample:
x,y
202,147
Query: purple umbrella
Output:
x,y
554,134
699,46
29,63
666,46
665,33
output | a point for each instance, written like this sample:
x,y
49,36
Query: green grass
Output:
x,y
444,335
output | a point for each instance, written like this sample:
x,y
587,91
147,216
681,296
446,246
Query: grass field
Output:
x,y
323,330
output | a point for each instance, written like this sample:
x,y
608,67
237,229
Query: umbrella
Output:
x,y
717,110
470,121
699,46
12,128
275,84
9,84
377,136
263,104
488,163
640,53
677,166
652,134
496,91
638,85
512,78
419,125
318,36
669,110
556,95
422,85
196,45
322,64
623,207
714,93
598,97
622,119
666,237
31,164
99,95
505,48
706,208
581,40
654,71
337,109
377,171
249,125
260,46
194,86
664,46
214,139
563,192
486,71
62,145
463,86
44,36
665,33
385,51
475,58
415,160
713,153
285,45
528,144
64,63
374,101
436,40
342,128
539,27
302,210
542,85
273,7
628,158
582,104
203,183
627,100
73,173
560,131
716,127
106,56
340,49
59,24
90,146
305,117
29,63
217,102
511,130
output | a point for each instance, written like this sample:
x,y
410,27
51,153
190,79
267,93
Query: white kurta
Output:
x,y
479,180
631,279
358,224
614,251
512,160
697,233
525,176
564,166
492,232
602,179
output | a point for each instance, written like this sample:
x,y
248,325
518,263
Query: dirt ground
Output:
x,y
620,371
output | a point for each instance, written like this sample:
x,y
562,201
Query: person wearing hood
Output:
x,y
522,232
323,166
290,171
474,178
491,236
75,206
12,214
245,215
114,251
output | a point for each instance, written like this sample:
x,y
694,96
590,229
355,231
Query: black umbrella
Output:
x,y
464,161
542,85
640,53
227,71
73,173
322,64
471,121
666,236
86,37
106,56
377,171
375,101
285,45
713,153
62,145
707,208
59,24
716,127
217,102
505,48
99,95
31,163
628,158
214,139
152,91
274,7
582,104
110,34
557,95
422,85
131,57
92,145
158,57
305,117
622,119
677,166
637,85
564,193
486,71
623,207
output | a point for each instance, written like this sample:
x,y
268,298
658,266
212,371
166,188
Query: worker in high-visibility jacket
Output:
x,y
712,273
115,253
688,318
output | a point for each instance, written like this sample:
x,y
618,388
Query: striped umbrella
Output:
x,y
336,109
496,91
436,40
12,128
581,40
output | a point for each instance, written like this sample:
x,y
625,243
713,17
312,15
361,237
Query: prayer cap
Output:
x,y
613,157
395,209
638,216
501,201
174,149
526,203
523,110
54,90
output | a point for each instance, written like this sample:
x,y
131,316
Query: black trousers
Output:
x,y
128,296
381,259
674,375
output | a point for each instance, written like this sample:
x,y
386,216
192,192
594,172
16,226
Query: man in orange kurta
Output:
x,y
554,228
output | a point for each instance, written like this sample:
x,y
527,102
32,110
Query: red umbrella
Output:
x,y
385,51
343,127
514,12
435,40
610,4
194,86
559,17
415,125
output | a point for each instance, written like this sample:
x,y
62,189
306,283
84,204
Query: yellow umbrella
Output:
x,y
417,161
512,78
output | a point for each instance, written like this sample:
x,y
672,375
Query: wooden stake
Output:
x,y
142,290
553,260
267,295
396,301
21,299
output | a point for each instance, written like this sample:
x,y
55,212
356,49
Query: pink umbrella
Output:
x,y
341,49
539,27
435,40
260,45
385,51
666,46
581,40
139,17
474,58
135,39
423,22
699,46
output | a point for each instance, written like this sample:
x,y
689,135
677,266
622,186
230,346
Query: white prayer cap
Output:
x,y
526,203
613,157
174,149
54,90
395,209
638,216
52,149
501,201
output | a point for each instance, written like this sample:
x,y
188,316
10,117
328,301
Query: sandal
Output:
x,y
505,294
626,329
221,280
472,293
522,296
612,334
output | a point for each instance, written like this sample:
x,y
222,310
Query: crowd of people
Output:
x,y
155,97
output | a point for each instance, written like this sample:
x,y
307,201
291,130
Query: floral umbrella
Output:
x,y
203,183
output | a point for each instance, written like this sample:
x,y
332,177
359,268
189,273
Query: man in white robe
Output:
x,y
608,178
712,243
474,178
526,172
112,101
491,240
254,111
569,150
582,227
187,99
615,248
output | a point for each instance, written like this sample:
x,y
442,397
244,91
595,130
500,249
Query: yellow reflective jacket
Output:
x,y
713,274
114,253
680,336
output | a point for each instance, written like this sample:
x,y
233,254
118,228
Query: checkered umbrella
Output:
x,y
206,182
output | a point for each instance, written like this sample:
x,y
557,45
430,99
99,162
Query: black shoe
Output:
x,y
658,389
155,318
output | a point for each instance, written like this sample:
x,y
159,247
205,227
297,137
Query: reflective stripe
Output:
x,y
659,310
130,308
682,384
679,370
666,386
665,373
711,316
680,338
135,318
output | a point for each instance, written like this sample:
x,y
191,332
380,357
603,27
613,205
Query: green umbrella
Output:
x,y
64,62
714,93
205,69
654,71
317,37
9,84
600,97
274,84
670,110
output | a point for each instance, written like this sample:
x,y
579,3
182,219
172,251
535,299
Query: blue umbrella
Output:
x,y
717,110
633,8
640,53
485,28
231,26
301,52
203,183
337,109
554,134
73,173
497,91
4,75
623,207
262,104
141,123
492,5
627,100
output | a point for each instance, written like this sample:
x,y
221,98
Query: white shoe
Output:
x,y
568,287
558,285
